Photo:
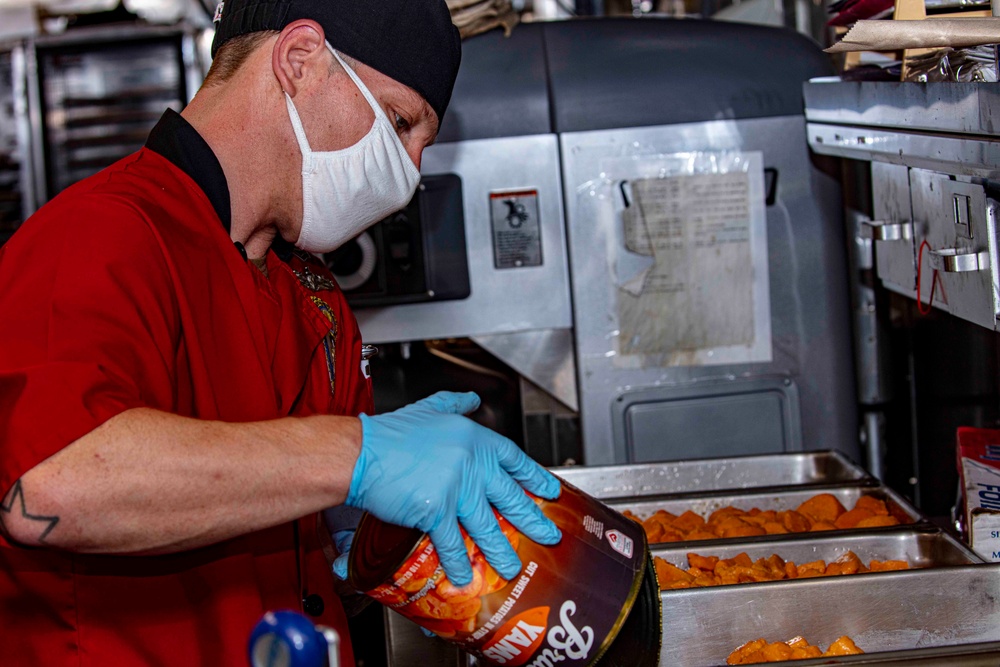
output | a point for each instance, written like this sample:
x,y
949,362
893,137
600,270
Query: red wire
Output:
x,y
934,279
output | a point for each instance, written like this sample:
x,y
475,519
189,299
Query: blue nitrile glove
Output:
x,y
426,466
342,540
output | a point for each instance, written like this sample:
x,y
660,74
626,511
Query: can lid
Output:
x,y
378,551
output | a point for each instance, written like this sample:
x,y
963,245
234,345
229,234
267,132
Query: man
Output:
x,y
179,385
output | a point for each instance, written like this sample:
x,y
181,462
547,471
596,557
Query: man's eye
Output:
x,y
401,123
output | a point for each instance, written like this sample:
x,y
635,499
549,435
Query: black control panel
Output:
x,y
415,255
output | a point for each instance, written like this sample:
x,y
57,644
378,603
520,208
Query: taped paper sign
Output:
x,y
692,265
698,292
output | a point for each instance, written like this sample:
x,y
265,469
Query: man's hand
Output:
x,y
426,466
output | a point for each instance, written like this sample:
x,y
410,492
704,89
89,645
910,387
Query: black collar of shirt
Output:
x,y
175,139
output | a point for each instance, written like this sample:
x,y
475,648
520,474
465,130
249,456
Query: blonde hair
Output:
x,y
231,56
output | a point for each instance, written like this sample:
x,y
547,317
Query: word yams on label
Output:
x,y
518,640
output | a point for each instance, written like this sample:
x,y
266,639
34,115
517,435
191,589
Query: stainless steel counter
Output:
x,y
950,127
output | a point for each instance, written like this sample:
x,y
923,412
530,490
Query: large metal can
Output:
x,y
574,603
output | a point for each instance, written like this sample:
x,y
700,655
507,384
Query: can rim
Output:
x,y
633,595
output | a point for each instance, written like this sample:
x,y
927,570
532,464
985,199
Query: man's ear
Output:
x,y
298,54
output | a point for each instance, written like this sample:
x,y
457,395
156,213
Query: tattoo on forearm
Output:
x,y
14,505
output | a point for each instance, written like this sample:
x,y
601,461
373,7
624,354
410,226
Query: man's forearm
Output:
x,y
151,482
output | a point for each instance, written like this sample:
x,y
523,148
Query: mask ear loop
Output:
x,y
359,83
300,132
379,112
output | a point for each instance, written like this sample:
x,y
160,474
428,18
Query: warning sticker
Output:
x,y
517,234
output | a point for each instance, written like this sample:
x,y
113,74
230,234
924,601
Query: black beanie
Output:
x,y
411,41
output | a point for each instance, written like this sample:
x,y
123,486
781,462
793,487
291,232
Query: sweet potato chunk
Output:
x,y
816,568
873,505
851,518
822,507
759,650
723,512
774,528
843,646
795,522
877,521
888,565
688,522
702,562
742,655
667,573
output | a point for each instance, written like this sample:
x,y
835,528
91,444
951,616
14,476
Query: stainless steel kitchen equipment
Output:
x,y
933,154
889,611
719,474
74,103
920,547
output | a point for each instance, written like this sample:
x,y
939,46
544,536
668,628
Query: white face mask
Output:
x,y
346,191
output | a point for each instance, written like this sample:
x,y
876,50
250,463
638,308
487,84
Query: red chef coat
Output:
x,y
127,291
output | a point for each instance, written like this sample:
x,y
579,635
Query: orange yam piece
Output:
x,y
723,512
654,531
668,572
687,522
664,517
743,654
878,521
795,522
702,562
804,652
822,507
873,505
814,569
851,518
849,563
705,580
774,528
776,563
759,518
843,646
888,565
776,652
742,559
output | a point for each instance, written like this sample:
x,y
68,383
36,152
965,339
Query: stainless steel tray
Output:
x,y
921,548
773,499
893,611
721,474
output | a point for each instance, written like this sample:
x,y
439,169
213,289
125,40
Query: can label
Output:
x,y
566,605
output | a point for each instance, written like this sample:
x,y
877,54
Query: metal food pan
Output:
x,y
773,499
719,474
895,611
920,548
